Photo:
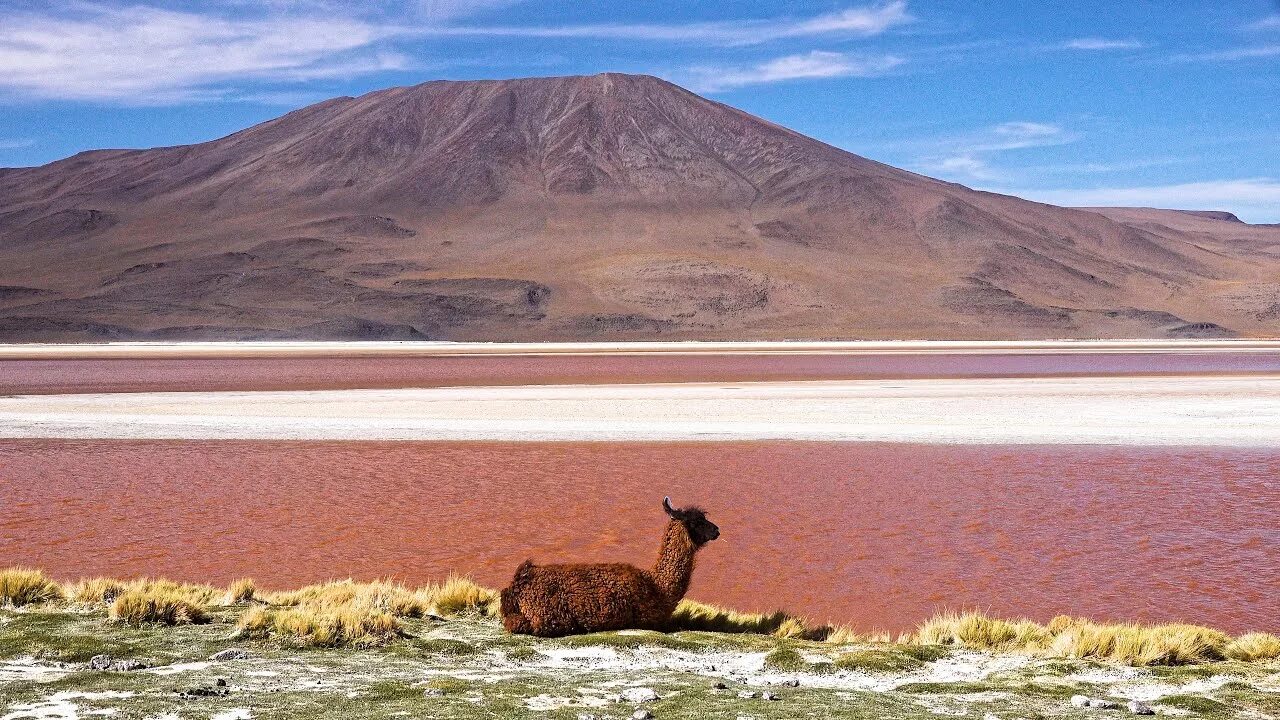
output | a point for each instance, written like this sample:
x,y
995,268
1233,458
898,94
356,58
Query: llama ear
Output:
x,y
666,505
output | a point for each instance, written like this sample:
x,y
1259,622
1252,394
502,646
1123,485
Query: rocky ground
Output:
x,y
52,660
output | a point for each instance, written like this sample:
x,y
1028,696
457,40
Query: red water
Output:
x,y
877,535
331,373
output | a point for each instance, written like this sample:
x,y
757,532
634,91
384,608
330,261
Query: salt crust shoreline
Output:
x,y
1240,411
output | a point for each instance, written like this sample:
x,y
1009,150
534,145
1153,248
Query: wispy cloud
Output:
x,y
1271,22
16,143
1093,43
1245,53
811,65
1255,199
969,157
858,21
149,55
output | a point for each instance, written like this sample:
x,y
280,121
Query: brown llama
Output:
x,y
556,600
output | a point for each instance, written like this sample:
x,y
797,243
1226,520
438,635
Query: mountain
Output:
x,y
602,207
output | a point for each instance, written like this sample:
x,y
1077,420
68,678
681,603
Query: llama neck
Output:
x,y
674,569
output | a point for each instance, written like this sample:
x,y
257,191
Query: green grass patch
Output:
x,y
943,688
786,659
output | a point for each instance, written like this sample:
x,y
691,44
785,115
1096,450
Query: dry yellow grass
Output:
x,y
26,586
355,614
1254,646
379,595
164,606
1172,644
106,590
241,591
321,626
102,590
459,595
694,615
975,630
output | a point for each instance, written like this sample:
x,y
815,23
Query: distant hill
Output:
x,y
602,207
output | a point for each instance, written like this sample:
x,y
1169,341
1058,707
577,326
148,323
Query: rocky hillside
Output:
x,y
602,207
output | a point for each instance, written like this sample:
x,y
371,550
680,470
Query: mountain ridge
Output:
x,y
580,207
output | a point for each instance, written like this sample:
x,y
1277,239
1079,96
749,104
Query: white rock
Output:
x,y
1102,704
1140,708
1079,701
639,695
746,695
642,715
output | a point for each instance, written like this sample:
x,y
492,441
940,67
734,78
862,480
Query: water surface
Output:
x,y
338,373
878,535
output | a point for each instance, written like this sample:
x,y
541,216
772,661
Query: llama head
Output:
x,y
700,529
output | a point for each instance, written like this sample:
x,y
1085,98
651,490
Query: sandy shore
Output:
x,y
1231,411
37,351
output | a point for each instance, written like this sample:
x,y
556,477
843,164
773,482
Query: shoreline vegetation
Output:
x,y
156,648
347,613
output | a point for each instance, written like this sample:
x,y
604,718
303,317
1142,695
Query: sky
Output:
x,y
1166,103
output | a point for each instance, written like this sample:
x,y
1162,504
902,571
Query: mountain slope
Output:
x,y
609,206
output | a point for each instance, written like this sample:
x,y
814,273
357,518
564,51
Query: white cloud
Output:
x,y
863,21
1253,199
1244,53
811,65
146,55
959,166
968,157
16,144
1094,43
1267,23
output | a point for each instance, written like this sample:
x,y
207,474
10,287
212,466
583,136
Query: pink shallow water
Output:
x,y
332,373
879,535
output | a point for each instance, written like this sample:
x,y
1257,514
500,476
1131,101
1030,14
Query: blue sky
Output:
x,y
1172,103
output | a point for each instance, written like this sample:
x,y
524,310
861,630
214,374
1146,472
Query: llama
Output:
x,y
557,600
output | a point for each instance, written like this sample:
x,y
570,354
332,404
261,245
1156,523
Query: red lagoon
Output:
x,y
876,535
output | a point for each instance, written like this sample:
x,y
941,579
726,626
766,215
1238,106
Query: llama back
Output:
x,y
554,600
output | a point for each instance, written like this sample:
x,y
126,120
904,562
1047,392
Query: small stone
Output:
x,y
746,695
642,714
1102,704
231,654
639,695
587,716
790,683
766,695
222,682
128,665
720,686
1140,708
433,692
100,662
1079,701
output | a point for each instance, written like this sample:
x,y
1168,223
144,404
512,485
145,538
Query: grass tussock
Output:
x,y
1253,647
346,613
313,626
26,586
163,606
105,591
241,591
1172,644
694,615
455,595
459,595
101,590
975,630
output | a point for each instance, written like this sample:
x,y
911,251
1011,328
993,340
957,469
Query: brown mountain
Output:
x,y
610,207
